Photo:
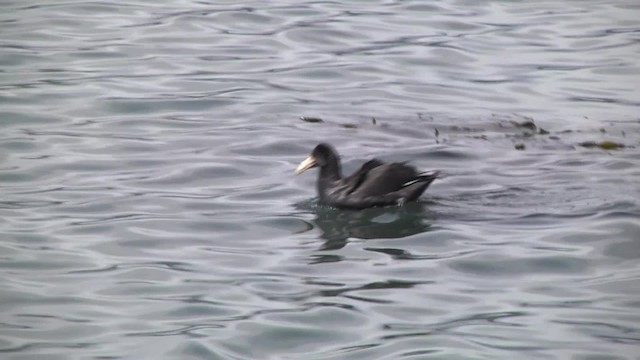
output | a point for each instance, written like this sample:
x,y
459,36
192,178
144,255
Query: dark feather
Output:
x,y
374,184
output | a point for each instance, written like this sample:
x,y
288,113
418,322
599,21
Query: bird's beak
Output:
x,y
307,164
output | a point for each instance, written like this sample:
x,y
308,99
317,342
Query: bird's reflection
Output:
x,y
338,225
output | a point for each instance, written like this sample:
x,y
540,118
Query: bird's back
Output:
x,y
385,179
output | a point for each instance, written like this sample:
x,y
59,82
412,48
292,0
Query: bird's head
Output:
x,y
321,155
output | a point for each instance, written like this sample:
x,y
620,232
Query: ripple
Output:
x,y
149,205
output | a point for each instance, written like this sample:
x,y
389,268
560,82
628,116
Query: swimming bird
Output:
x,y
375,184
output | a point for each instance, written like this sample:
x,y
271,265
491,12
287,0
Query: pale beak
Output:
x,y
307,164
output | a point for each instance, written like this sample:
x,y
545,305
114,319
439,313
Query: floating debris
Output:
x,y
437,132
349,126
311,119
542,131
604,145
519,146
373,120
422,116
529,125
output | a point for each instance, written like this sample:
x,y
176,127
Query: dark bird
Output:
x,y
374,184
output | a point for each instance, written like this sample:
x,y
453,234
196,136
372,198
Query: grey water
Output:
x,y
149,210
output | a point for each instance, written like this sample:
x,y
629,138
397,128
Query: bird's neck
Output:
x,y
329,175
331,171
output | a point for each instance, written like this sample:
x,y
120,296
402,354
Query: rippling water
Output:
x,y
148,207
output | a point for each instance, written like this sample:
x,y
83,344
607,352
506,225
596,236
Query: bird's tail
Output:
x,y
414,189
428,177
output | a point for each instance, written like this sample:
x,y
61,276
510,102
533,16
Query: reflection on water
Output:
x,y
147,152
338,225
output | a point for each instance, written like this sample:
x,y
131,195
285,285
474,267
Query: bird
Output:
x,y
375,184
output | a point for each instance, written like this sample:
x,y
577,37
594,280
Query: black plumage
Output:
x,y
375,184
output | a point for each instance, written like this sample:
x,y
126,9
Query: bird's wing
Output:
x,y
386,179
353,181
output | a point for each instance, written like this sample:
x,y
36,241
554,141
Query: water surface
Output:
x,y
148,207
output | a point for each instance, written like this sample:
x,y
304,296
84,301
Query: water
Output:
x,y
148,206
